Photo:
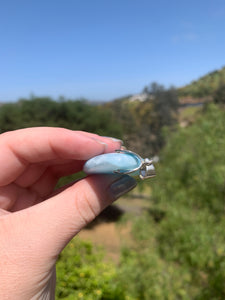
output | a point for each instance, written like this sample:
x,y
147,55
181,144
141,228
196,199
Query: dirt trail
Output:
x,y
106,233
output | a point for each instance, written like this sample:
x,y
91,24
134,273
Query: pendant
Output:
x,y
120,162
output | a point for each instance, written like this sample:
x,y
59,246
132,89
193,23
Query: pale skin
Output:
x,y
37,222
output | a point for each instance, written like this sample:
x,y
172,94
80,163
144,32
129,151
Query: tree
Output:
x,y
219,96
76,115
164,113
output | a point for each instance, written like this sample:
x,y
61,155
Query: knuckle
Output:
x,y
84,207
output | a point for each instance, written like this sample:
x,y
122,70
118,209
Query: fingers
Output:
x,y
13,197
34,145
3,212
35,185
51,224
40,172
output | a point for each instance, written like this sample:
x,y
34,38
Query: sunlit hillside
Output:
x,y
203,89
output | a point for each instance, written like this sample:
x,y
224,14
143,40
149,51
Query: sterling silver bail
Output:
x,y
144,170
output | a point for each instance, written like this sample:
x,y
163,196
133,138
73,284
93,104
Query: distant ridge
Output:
x,y
203,89
197,92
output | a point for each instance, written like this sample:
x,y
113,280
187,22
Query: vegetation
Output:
x,y
206,86
82,274
138,124
143,122
219,96
178,249
77,115
178,244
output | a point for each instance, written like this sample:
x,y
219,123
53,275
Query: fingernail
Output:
x,y
123,148
114,139
121,186
100,142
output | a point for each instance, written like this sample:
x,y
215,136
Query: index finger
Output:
x,y
22,147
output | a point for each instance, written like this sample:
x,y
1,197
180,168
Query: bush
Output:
x,y
193,165
76,115
145,275
179,249
82,274
219,95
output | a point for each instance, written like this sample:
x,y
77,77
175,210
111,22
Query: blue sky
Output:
x,y
103,49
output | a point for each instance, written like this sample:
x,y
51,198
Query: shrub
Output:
x,y
179,249
82,274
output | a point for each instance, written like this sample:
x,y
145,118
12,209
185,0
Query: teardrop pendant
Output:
x,y
120,162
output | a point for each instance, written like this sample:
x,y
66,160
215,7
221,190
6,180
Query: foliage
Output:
x,y
195,163
139,124
82,274
145,274
219,96
143,122
188,115
205,86
165,106
77,115
179,250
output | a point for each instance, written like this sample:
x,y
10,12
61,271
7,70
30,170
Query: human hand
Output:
x,y
36,222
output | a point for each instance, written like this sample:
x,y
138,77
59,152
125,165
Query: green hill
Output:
x,y
203,89
200,90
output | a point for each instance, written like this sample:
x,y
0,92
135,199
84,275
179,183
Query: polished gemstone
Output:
x,y
112,162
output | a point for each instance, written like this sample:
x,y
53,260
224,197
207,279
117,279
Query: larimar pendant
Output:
x,y
120,162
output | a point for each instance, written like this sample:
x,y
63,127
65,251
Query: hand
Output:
x,y
37,222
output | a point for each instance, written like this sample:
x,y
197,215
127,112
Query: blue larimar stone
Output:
x,y
112,162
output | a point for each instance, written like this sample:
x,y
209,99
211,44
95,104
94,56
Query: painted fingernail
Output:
x,y
121,186
114,139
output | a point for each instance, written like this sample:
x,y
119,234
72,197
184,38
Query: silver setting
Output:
x,y
146,168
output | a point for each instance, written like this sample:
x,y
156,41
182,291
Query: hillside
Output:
x,y
198,91
203,89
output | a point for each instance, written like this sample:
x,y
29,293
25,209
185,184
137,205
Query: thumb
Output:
x,y
53,223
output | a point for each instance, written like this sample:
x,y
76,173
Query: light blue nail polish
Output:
x,y
121,186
